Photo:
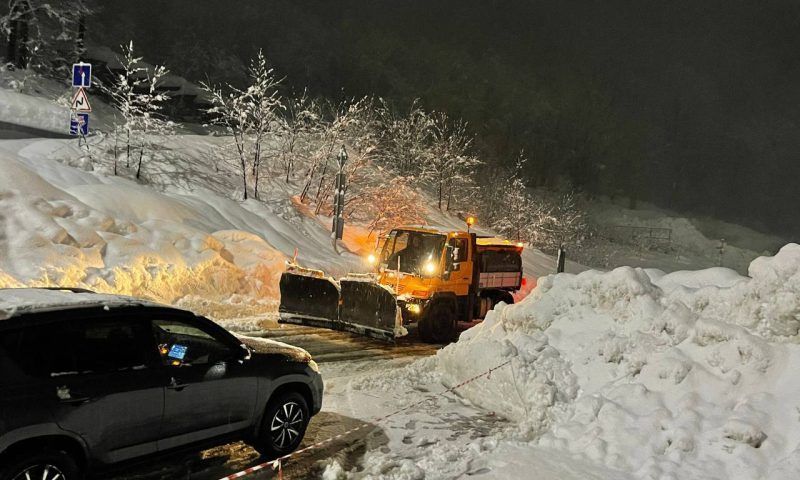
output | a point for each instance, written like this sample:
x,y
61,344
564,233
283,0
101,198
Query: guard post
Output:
x,y
562,259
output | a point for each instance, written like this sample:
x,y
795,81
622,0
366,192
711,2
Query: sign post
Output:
x,y
80,101
79,124
82,75
79,106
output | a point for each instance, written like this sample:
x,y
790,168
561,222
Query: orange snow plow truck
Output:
x,y
438,279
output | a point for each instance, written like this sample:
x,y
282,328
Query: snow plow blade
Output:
x,y
308,298
369,309
357,304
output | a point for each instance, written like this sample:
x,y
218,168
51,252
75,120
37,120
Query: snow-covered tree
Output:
x,y
46,35
136,95
229,110
544,219
386,205
510,207
560,222
448,164
152,124
404,138
299,122
122,93
249,115
350,123
263,105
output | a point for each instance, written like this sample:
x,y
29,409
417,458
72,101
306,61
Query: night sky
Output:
x,y
692,105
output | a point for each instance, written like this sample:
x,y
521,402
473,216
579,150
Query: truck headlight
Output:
x,y
429,267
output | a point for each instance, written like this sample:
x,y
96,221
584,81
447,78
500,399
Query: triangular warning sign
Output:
x,y
80,101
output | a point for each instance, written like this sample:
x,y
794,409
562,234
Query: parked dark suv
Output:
x,y
88,381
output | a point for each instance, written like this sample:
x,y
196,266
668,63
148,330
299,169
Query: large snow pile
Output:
x,y
170,241
683,375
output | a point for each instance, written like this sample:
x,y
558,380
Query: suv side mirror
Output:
x,y
244,353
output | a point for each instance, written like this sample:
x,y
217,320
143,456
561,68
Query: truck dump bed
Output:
x,y
499,263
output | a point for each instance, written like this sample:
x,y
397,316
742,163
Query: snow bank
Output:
x,y
33,112
176,237
686,375
74,229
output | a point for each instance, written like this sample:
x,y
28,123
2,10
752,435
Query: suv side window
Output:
x,y
79,346
10,372
183,343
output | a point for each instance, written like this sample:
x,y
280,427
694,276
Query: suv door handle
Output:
x,y
174,385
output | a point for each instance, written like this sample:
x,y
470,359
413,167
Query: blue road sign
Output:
x,y
79,124
82,75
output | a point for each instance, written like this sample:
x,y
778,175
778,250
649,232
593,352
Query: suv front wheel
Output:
x,y
44,464
285,420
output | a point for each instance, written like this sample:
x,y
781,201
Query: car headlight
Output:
x,y
372,259
414,308
313,365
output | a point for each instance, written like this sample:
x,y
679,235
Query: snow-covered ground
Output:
x,y
624,374
693,242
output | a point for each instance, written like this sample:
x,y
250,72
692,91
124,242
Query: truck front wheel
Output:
x,y
438,323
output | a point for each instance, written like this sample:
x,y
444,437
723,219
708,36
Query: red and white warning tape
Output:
x,y
277,464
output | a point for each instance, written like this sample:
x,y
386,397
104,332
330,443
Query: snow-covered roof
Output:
x,y
103,54
19,301
497,242
429,228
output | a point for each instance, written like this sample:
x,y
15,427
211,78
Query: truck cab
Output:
x,y
444,277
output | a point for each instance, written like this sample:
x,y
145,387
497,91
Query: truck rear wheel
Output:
x,y
438,323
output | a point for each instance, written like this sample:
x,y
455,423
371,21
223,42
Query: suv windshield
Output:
x,y
412,249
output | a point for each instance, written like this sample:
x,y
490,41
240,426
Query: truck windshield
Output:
x,y
412,249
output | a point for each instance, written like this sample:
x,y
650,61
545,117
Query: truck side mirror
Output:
x,y
449,262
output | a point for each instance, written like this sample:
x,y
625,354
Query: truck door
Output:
x,y
462,265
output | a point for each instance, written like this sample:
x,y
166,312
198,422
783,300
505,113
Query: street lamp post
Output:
x,y
338,199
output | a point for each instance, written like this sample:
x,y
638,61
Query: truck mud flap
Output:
x,y
369,309
309,300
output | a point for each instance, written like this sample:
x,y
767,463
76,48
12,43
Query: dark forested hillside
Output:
x,y
692,105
